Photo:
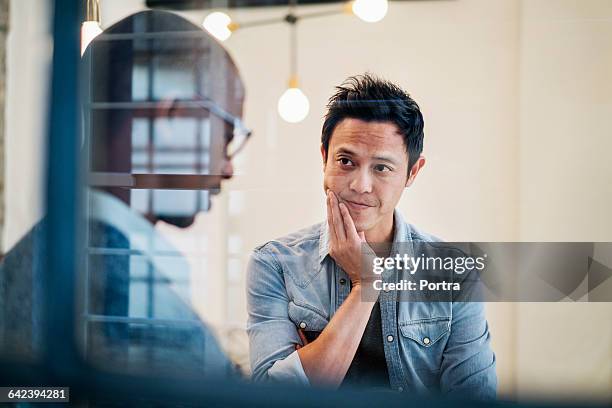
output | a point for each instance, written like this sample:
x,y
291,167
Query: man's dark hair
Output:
x,y
371,99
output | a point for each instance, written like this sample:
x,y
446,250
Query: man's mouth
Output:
x,y
357,206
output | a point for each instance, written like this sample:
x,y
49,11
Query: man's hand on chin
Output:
x,y
345,243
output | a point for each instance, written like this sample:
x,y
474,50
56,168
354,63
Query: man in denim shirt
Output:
x,y
308,321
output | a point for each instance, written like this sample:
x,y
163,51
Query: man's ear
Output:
x,y
324,156
416,167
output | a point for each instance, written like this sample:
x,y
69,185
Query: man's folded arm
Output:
x,y
272,335
468,363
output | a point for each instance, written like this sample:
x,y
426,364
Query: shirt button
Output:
x,y
389,338
342,281
426,340
302,325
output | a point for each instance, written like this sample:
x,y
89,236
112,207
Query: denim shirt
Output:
x,y
292,283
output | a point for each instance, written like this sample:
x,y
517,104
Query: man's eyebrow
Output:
x,y
344,150
385,158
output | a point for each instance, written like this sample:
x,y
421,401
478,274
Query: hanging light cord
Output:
x,y
292,19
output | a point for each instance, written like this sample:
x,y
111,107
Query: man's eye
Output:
x,y
345,162
382,168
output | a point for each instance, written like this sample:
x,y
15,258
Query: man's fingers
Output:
x,y
337,218
302,337
330,219
349,225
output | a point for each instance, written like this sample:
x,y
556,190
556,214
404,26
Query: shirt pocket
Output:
x,y
307,317
423,343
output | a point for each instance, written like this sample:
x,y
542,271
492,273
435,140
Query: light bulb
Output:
x,y
293,105
370,11
89,31
218,24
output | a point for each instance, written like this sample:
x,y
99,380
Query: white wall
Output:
x,y
565,349
29,51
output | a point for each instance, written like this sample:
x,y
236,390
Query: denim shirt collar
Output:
x,y
401,234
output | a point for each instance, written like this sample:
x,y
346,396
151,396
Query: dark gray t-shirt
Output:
x,y
369,366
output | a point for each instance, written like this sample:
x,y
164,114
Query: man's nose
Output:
x,y
361,182
227,169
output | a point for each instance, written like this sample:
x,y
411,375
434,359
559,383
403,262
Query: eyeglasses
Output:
x,y
234,143
236,140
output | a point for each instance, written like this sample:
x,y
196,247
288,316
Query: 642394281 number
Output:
x,y
33,394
